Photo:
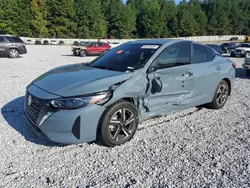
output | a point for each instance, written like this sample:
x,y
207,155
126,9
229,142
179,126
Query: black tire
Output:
x,y
232,54
220,96
13,53
75,53
83,53
113,130
247,72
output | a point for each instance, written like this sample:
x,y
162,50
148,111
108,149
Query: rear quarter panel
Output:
x,y
208,76
227,71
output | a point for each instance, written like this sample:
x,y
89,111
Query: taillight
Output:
x,y
234,65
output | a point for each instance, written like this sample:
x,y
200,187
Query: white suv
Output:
x,y
242,50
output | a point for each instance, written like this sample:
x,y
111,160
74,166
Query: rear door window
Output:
x,y
202,53
2,40
14,40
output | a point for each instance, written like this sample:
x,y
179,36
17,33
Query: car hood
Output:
x,y
242,48
77,79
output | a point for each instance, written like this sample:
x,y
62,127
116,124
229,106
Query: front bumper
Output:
x,y
68,126
242,53
22,50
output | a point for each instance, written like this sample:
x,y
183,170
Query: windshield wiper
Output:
x,y
105,68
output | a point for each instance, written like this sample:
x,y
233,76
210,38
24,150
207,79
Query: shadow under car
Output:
x,y
13,113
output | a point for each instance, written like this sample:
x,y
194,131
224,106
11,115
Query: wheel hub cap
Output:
x,y
121,124
222,94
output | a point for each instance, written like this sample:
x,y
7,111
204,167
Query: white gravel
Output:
x,y
194,148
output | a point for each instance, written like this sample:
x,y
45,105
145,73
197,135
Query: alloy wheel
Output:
x,y
121,124
13,53
222,94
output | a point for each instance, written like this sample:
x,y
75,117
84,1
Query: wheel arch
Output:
x,y
229,84
127,99
13,48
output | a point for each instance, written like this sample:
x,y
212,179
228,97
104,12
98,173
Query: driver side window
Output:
x,y
177,54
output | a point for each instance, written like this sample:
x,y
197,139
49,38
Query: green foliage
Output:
x,y
39,18
90,19
120,18
60,18
15,17
136,18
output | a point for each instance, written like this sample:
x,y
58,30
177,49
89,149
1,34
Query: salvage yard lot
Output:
x,y
196,147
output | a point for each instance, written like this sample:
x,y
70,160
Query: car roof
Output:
x,y
155,41
6,35
212,45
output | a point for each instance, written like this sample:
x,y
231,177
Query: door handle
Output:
x,y
218,67
188,74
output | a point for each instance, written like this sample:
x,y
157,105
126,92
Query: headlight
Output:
x,y
79,102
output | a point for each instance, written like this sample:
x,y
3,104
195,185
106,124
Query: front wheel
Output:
x,y
119,124
13,53
220,96
83,53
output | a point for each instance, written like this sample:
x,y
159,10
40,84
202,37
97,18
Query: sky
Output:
x,y
176,1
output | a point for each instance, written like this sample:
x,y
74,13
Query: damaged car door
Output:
x,y
171,78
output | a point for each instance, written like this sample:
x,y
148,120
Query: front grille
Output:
x,y
34,110
239,51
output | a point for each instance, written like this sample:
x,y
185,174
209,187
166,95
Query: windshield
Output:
x,y
14,39
232,44
127,55
245,45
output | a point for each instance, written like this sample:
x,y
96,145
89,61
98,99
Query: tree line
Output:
x,y
114,19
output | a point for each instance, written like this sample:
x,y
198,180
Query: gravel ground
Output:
x,y
193,148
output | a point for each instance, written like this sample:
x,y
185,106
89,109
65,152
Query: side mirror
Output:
x,y
156,86
152,69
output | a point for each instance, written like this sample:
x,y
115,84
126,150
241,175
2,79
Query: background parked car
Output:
x,y
29,41
114,44
53,42
11,46
217,48
94,48
246,64
38,42
247,39
234,39
228,47
45,42
61,42
79,47
241,50
76,43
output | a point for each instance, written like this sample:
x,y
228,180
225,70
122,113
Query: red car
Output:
x,y
95,48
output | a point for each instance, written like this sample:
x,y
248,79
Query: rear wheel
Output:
x,y
220,96
13,53
83,53
75,53
247,72
119,124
